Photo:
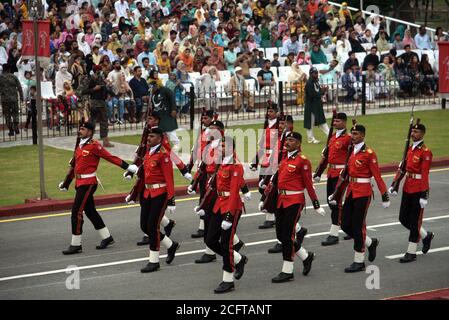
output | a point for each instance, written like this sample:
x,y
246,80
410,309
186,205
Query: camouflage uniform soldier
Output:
x,y
10,85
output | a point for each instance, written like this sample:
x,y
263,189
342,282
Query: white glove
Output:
x,y
393,193
262,185
190,190
199,211
60,186
261,207
320,211
171,209
317,179
225,225
132,168
423,203
247,196
253,168
126,176
188,176
332,201
386,204
127,199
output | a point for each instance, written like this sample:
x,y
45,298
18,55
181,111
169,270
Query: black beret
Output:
x,y
282,117
359,128
88,125
313,70
272,105
420,127
295,135
341,116
155,115
218,124
208,113
289,118
156,130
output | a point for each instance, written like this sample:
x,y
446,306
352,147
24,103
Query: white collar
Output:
x,y
358,146
339,132
415,144
292,153
272,122
153,149
84,141
228,159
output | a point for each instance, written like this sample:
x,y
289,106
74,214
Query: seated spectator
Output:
x,y
422,39
217,60
198,60
297,81
430,80
382,43
290,59
408,40
348,81
275,62
163,63
356,46
367,37
206,89
372,58
351,62
387,76
317,55
240,92
329,75
140,91
291,45
303,59
408,55
398,44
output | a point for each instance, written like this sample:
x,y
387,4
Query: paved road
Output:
x,y
32,266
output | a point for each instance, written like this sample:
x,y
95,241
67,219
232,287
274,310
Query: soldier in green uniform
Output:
x,y
10,85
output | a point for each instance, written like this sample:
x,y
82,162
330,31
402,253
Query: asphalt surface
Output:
x,y
33,267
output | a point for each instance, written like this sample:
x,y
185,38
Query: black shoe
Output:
x,y
145,241
17,131
355,267
267,225
347,237
300,235
330,240
73,249
224,287
198,234
168,228
308,263
282,277
11,132
239,245
427,241
150,267
171,252
240,267
276,249
372,250
408,257
206,258
105,243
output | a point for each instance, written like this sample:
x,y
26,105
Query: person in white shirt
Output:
x,y
422,39
120,8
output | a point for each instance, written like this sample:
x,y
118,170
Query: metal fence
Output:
x,y
234,106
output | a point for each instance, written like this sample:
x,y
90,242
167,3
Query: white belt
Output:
x,y
414,175
336,166
289,192
223,193
87,175
269,151
155,186
360,180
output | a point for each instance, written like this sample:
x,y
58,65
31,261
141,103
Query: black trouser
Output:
x,y
335,209
411,214
151,212
286,219
353,220
221,241
202,185
84,201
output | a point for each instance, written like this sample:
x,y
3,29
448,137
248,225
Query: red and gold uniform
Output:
x,y
416,187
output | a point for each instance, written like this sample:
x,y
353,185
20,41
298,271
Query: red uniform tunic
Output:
x,y
158,170
418,162
175,158
364,165
295,174
87,158
229,179
267,145
338,148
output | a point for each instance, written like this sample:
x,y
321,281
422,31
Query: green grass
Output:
x,y
20,175
385,134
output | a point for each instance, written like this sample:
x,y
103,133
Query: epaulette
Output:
x,y
304,157
162,149
425,148
369,150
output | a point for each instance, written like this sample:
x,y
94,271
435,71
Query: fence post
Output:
x,y
443,103
192,106
34,120
281,96
363,93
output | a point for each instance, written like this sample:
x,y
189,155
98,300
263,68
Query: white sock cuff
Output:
x,y
297,227
334,230
287,267
166,242
368,241
422,233
236,239
76,240
201,225
269,217
302,254
165,221
237,257
104,233
412,246
209,251
154,256
359,257
228,276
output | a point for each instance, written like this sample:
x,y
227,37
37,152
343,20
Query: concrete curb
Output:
x,y
60,205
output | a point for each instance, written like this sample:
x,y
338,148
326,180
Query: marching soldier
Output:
x,y
215,132
337,151
168,224
158,196
226,213
415,193
294,175
362,166
87,157
264,157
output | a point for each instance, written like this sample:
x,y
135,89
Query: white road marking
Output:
x,y
249,244
397,256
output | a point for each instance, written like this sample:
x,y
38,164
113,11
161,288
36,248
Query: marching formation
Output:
x,y
285,175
